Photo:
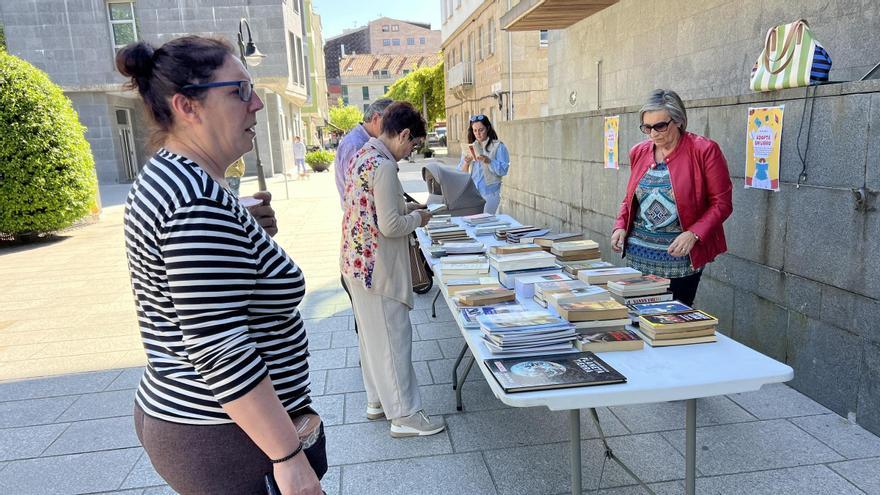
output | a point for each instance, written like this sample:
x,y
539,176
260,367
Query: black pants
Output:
x,y
685,288
345,287
215,459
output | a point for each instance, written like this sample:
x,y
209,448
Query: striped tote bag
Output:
x,y
791,58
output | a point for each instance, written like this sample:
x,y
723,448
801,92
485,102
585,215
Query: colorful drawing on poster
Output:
x,y
612,125
763,143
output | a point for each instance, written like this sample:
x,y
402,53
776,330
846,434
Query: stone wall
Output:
x,y
801,281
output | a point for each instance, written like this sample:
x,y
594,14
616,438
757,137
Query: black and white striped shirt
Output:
x,y
216,297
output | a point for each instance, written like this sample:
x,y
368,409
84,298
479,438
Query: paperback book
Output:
x,y
552,371
618,340
602,276
469,315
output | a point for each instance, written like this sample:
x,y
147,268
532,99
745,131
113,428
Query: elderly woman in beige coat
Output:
x,y
376,227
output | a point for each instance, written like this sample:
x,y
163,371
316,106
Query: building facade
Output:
x,y
800,281
365,78
75,44
488,71
316,112
380,36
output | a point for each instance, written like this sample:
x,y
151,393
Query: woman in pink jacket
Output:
x,y
677,198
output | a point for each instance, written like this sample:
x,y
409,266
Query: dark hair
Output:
x,y
159,73
493,136
402,115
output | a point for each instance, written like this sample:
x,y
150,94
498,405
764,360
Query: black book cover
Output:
x,y
553,371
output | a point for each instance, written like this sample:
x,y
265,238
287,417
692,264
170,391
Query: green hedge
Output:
x,y
47,173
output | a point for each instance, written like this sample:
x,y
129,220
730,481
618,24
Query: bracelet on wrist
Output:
x,y
289,456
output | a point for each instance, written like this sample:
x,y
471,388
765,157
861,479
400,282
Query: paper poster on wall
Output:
x,y
612,125
763,142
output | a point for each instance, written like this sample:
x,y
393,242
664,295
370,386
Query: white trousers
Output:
x,y
492,201
385,342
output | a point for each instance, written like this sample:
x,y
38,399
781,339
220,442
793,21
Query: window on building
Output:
x,y
461,51
300,66
386,28
365,92
410,41
395,42
344,94
480,43
295,5
395,27
375,73
448,9
452,60
386,42
491,35
406,71
543,37
122,23
422,40
470,47
384,72
291,58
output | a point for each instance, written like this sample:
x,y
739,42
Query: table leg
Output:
x,y
461,354
434,303
690,466
574,417
460,384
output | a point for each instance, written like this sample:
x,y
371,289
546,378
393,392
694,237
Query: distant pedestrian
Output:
x,y
224,400
233,175
487,160
678,195
299,156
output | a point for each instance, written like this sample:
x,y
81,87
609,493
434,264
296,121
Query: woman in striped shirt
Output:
x,y
227,378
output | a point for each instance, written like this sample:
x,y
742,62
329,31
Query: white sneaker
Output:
x,y
416,425
375,411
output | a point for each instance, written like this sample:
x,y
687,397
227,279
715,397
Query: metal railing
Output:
x,y
461,74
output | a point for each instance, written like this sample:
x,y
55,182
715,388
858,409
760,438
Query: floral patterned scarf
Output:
x,y
360,231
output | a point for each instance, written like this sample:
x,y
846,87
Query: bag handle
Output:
x,y
796,30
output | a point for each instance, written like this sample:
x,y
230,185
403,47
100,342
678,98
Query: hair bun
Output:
x,y
136,61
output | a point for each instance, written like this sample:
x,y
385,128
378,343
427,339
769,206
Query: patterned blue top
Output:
x,y
655,227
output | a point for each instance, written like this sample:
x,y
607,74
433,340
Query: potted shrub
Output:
x,y
426,151
319,160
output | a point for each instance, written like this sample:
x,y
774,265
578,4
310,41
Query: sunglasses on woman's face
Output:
x,y
478,118
245,88
659,127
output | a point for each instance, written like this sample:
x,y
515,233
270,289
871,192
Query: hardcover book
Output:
x,y
678,321
657,308
619,340
552,371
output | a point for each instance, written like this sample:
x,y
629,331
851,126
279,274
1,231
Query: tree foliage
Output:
x,y
428,82
47,173
345,117
2,38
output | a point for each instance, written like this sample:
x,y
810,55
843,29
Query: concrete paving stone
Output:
x,y
643,418
325,324
319,341
331,408
111,404
667,488
805,480
441,370
343,380
438,475
129,378
738,448
69,474
862,473
28,441
420,316
518,426
352,357
330,481
778,400
318,380
94,435
475,396
846,438
142,475
134,491
423,373
439,330
160,490
33,412
426,350
368,442
451,347
328,359
344,338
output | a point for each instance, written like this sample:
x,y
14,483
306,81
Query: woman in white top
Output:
x,y
492,161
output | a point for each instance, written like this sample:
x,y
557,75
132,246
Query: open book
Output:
x,y
474,150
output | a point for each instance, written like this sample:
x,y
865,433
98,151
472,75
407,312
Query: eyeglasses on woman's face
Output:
x,y
478,118
245,88
659,127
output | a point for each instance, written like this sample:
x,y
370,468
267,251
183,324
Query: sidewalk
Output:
x,y
70,358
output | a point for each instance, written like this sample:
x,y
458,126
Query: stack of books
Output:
x,y
458,259
576,250
484,297
615,340
586,293
602,276
647,288
463,247
454,233
522,261
546,241
525,285
514,249
470,314
439,223
448,271
526,332
525,237
508,278
686,327
502,234
605,315
543,290
479,219
458,283
574,267
490,228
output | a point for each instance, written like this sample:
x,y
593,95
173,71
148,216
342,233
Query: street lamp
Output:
x,y
251,56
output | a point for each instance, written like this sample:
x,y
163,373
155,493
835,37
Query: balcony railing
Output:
x,y
461,74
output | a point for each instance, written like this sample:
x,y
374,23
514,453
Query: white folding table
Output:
x,y
660,374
